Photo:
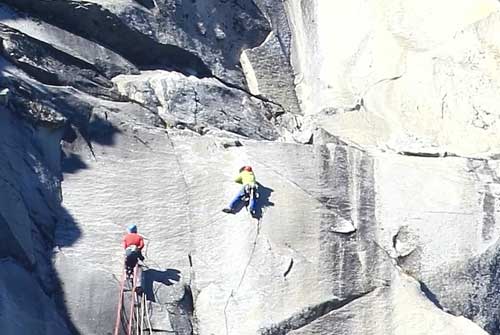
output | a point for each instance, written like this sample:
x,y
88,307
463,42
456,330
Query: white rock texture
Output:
x,y
371,127
415,76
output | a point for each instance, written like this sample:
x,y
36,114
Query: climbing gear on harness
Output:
x,y
131,249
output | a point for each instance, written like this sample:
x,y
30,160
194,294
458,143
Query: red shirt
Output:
x,y
133,239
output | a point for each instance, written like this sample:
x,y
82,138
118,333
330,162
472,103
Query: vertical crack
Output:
x,y
289,268
196,105
235,290
189,219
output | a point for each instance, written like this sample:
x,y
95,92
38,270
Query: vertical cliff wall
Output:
x,y
400,75
30,210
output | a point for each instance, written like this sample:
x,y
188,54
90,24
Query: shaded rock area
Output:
x,y
103,59
368,220
267,67
30,210
52,67
171,301
408,305
196,104
200,37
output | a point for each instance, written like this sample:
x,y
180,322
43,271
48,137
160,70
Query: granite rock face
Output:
x,y
199,37
411,76
268,67
378,176
30,210
196,104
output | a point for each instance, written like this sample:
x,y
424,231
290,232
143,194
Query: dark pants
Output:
x,y
246,191
131,259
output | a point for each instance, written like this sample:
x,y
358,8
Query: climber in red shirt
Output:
x,y
133,244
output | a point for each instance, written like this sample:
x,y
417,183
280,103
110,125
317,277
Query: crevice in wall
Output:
x,y
246,91
311,314
234,291
192,293
290,266
95,23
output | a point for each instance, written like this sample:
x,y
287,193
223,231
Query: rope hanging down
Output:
x,y
131,320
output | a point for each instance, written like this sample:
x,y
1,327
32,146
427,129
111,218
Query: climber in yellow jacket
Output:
x,y
247,192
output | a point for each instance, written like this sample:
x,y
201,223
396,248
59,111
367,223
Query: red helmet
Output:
x,y
248,168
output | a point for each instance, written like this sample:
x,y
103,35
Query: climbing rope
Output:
x,y
143,301
235,290
120,304
148,318
132,304
132,323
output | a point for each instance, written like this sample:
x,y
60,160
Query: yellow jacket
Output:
x,y
246,178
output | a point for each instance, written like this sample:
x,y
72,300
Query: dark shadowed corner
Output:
x,y
167,277
67,232
72,163
430,295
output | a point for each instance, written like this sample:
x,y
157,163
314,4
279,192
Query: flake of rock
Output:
x,y
193,103
343,226
405,242
267,67
104,60
169,33
51,66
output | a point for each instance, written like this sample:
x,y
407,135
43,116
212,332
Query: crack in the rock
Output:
x,y
323,203
382,81
443,102
396,261
259,97
91,148
400,268
145,106
361,101
333,110
192,317
289,268
393,260
189,218
196,105
280,175
429,294
395,239
443,154
143,142
92,21
184,180
235,290
438,154
311,314
423,154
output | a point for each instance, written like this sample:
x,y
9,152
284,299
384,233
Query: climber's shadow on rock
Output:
x,y
101,131
263,200
167,277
